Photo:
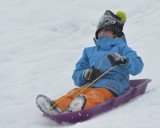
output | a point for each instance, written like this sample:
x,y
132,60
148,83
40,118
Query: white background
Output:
x,y
40,42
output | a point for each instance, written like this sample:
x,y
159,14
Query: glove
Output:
x,y
91,74
117,59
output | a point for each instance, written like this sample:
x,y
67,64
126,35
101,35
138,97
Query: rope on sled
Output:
x,y
84,88
94,81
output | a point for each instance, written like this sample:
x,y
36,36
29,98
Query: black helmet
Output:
x,y
110,21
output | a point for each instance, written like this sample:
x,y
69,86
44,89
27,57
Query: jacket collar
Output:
x,y
107,43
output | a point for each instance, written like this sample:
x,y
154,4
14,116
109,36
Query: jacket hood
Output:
x,y
107,43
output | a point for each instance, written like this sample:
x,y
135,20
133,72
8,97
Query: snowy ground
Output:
x,y
40,42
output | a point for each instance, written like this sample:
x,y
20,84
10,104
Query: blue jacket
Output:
x,y
117,80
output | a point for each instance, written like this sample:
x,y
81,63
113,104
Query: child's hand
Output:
x,y
117,59
91,74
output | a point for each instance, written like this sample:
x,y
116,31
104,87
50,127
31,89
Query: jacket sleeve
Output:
x,y
81,65
134,63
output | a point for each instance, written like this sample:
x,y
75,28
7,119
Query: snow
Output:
x,y
40,42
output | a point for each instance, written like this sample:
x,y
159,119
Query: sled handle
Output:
x,y
95,80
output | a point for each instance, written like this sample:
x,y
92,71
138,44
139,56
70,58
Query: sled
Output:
x,y
138,87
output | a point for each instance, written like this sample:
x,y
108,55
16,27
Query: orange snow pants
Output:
x,y
94,96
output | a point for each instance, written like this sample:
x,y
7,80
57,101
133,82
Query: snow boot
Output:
x,y
46,105
77,103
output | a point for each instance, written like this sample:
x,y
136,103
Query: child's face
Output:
x,y
106,33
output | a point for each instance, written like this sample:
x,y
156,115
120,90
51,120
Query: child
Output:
x,y
110,50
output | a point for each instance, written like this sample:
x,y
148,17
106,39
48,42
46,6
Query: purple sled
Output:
x,y
138,87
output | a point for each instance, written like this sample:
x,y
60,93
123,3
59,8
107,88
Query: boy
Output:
x,y
111,50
